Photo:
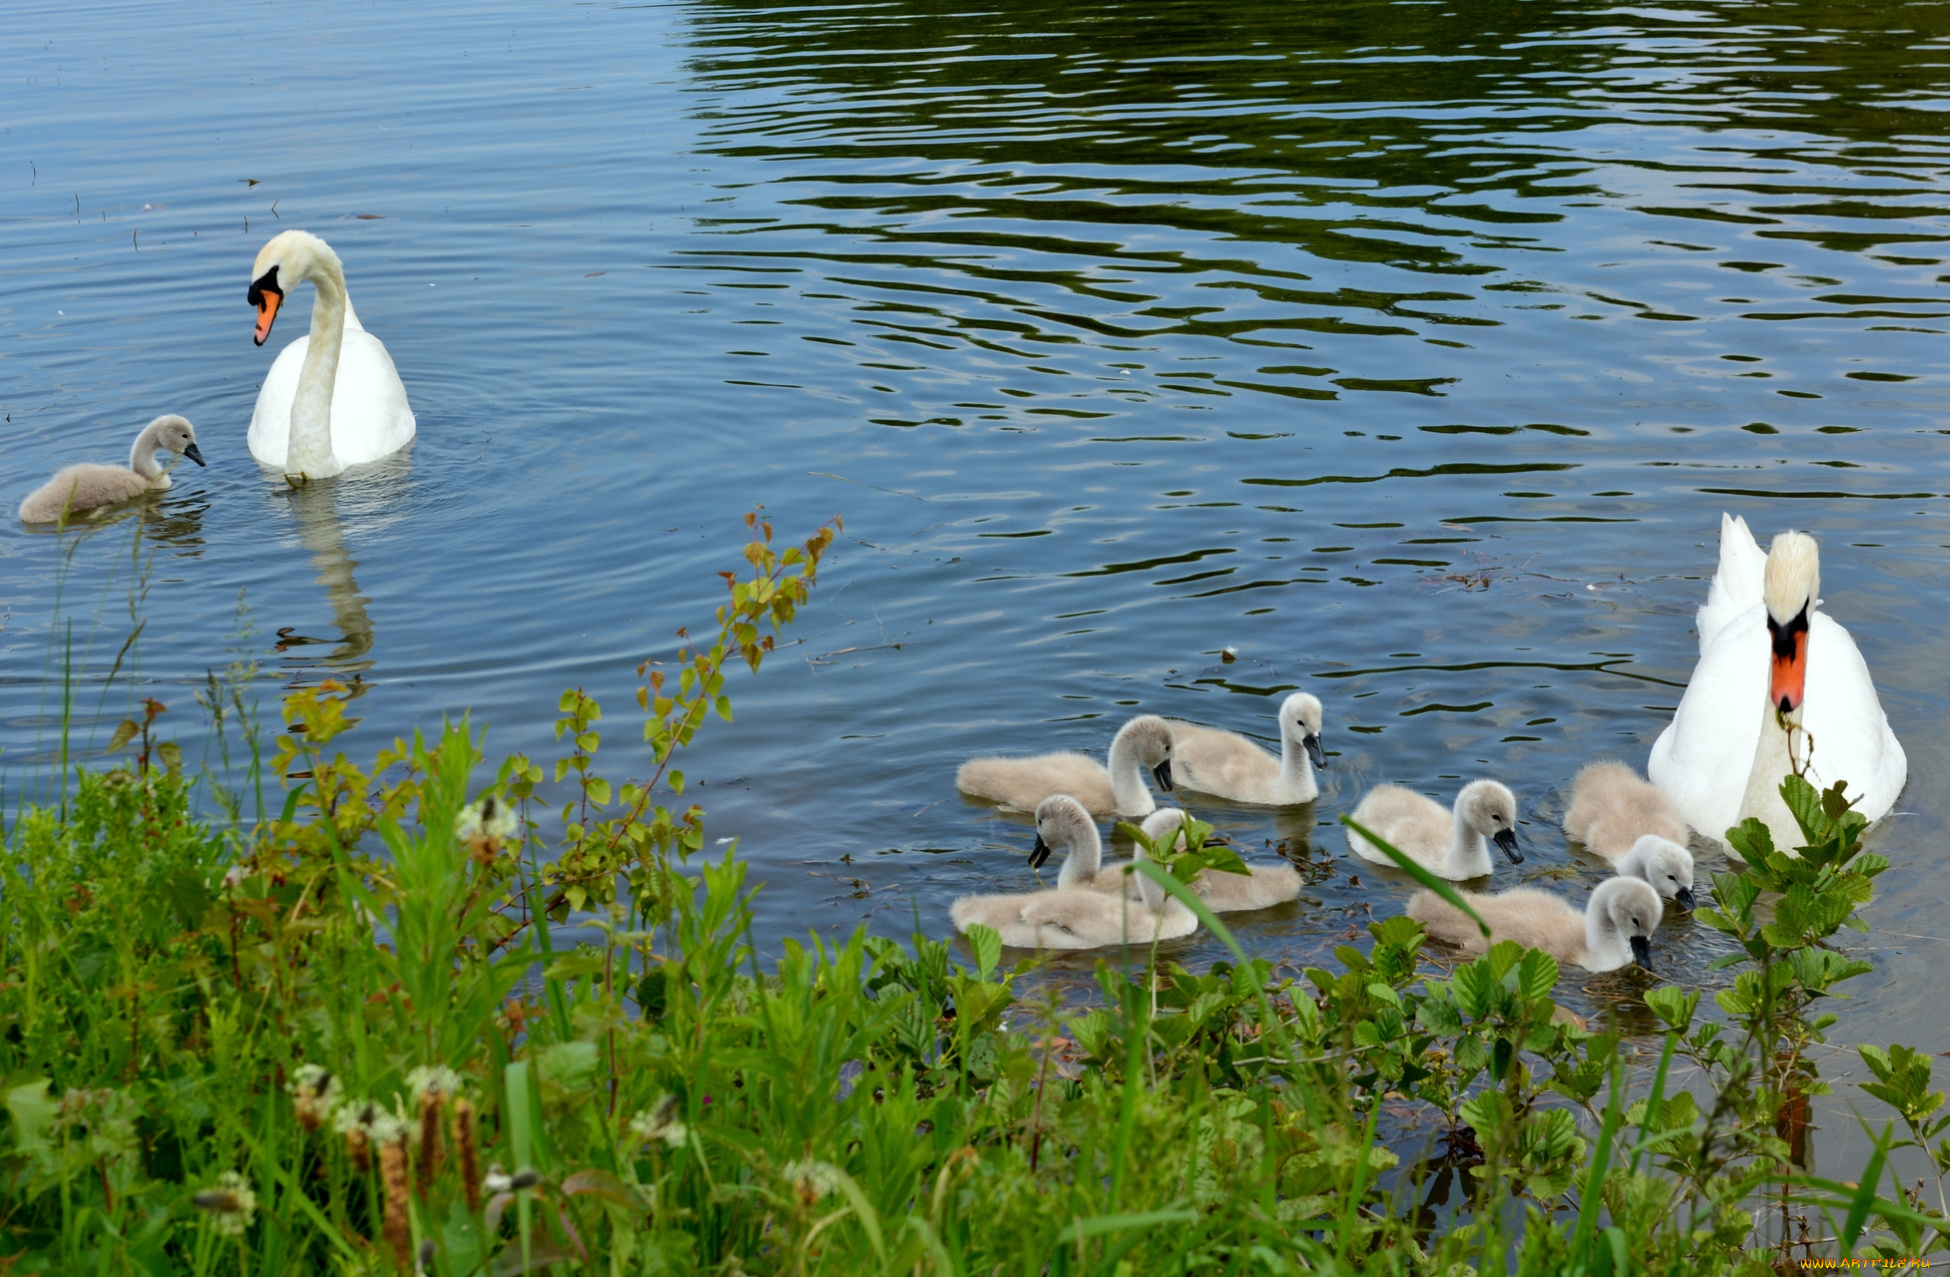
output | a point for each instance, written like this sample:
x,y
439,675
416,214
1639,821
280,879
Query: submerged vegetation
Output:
x,y
345,1035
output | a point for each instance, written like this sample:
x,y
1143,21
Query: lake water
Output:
x,y
1410,351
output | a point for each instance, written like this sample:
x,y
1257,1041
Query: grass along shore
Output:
x,y
341,1037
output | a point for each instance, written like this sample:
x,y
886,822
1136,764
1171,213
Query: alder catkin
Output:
x,y
466,1154
399,1230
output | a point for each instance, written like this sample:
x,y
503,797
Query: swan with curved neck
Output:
x,y
1779,687
332,398
77,489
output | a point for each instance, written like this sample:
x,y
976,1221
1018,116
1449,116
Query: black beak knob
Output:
x,y
194,453
1039,853
1507,839
1685,898
1313,751
1642,952
1162,774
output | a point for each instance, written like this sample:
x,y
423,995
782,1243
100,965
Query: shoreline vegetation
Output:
x,y
341,1036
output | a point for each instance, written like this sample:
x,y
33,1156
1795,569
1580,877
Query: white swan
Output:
x,y
1227,765
1449,844
1612,806
1615,927
1773,667
1261,887
1663,863
1023,783
333,398
1073,915
75,489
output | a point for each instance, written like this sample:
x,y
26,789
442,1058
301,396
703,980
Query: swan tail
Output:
x,y
1737,584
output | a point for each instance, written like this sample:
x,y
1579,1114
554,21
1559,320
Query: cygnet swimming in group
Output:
x,y
1142,744
1614,929
89,486
1075,916
1663,863
1449,844
1612,806
1261,888
1228,765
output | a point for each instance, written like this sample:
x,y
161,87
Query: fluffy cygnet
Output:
x,y
1076,916
1663,863
1227,765
1023,783
1612,806
1449,844
1614,929
89,486
1262,888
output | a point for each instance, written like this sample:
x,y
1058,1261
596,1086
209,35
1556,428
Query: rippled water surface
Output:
x,y
1411,351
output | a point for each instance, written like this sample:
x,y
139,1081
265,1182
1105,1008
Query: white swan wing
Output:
x,y
1702,759
370,416
1852,738
1737,585
270,432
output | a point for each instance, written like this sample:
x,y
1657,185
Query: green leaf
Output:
x,y
1673,1005
1537,975
125,731
32,1113
598,790
987,944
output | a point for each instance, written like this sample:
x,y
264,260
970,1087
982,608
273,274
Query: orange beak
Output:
x,y
267,311
1790,667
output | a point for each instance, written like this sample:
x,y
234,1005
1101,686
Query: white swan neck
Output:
x,y
1468,850
1084,857
310,449
1601,939
1774,758
1127,778
142,457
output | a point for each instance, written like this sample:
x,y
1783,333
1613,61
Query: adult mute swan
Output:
x,y
1614,929
1449,844
1023,783
333,398
1778,684
1073,916
1227,765
74,489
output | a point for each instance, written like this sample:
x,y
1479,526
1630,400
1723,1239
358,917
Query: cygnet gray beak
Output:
x,y
1039,853
1313,751
194,453
1685,898
1642,952
1507,839
1162,774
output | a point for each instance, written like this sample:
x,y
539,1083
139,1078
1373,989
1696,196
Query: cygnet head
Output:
x,y
288,258
1300,722
1792,584
172,433
1633,907
1490,809
1060,821
1150,737
1663,863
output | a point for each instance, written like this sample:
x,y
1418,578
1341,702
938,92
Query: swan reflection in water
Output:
x,y
365,499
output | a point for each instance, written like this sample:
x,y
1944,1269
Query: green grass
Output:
x,y
345,1037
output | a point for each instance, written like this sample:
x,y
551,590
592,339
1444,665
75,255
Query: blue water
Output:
x,y
1410,351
